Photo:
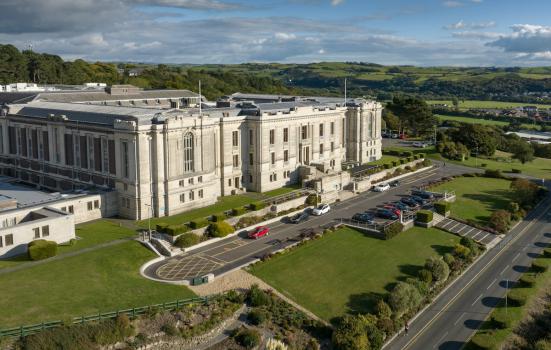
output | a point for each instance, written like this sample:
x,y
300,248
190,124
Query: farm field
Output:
x,y
482,121
468,104
345,271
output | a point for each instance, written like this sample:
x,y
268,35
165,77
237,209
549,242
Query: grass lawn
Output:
x,y
346,270
384,159
478,197
482,121
468,104
223,204
104,280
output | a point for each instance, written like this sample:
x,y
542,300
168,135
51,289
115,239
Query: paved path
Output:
x,y
450,321
483,237
226,255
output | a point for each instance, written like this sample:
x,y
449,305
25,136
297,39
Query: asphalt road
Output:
x,y
222,256
454,317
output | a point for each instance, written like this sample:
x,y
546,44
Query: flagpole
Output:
x,y
200,112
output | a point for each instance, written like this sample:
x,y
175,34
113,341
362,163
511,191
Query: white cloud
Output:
x,y
285,36
452,3
470,34
526,38
457,25
336,2
473,25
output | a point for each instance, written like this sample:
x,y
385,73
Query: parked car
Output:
x,y
259,232
419,144
402,206
422,194
394,136
419,200
410,202
393,209
381,187
299,217
403,136
394,183
363,217
321,209
386,214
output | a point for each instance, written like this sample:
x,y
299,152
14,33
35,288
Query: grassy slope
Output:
x,y
478,198
103,280
487,104
346,270
482,121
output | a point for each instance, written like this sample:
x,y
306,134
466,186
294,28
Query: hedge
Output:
x,y
407,154
393,230
517,297
187,240
394,163
421,155
42,249
539,265
175,230
218,217
482,341
386,166
198,223
238,211
402,161
424,216
220,229
257,205
493,173
442,207
161,227
516,171
527,280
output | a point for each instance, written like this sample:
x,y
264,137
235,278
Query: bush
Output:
x,y
494,173
442,207
351,334
187,240
482,341
161,227
543,344
386,166
407,154
422,287
393,230
500,220
394,163
539,266
198,223
311,199
517,297
425,275
449,259
218,217
427,162
42,249
257,205
170,329
438,268
383,310
461,251
424,216
403,298
402,161
220,229
257,297
249,338
238,211
469,243
175,230
516,171
527,280
257,316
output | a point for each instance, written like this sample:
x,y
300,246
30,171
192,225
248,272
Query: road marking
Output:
x,y
506,267
459,319
491,284
486,235
471,230
440,340
482,269
525,247
474,302
516,257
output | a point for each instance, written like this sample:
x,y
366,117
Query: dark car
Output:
x,y
401,206
299,217
410,202
419,200
394,183
363,217
422,194
386,214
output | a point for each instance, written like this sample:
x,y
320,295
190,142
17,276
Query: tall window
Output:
x,y
235,160
321,149
332,128
286,156
251,137
188,153
304,132
235,138
321,129
251,158
332,146
272,137
286,135
125,159
273,158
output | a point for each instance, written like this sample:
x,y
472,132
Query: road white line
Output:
x,y
474,302
525,247
516,257
440,340
459,319
481,239
491,284
506,267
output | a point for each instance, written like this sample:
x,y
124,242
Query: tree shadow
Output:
x,y
542,244
520,268
441,249
548,235
363,303
491,301
506,284
473,324
451,345
534,255
410,270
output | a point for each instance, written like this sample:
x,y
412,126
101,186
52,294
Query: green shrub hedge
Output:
x,y
386,166
527,280
187,240
258,205
257,316
407,154
393,230
424,216
238,211
494,173
218,217
42,249
175,230
539,265
517,297
220,229
198,223
402,161
442,207
394,163
161,227
516,171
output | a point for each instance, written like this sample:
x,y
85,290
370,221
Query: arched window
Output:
x,y
188,153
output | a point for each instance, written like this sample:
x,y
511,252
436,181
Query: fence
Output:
x,y
23,331
286,197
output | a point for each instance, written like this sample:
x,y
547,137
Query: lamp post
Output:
x,y
149,219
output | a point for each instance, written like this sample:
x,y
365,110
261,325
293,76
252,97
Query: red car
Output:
x,y
393,209
258,232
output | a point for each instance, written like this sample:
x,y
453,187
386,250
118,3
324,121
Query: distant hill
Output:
x,y
527,85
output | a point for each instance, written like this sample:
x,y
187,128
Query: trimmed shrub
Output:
x,y
187,240
421,155
248,338
386,166
220,229
402,161
516,171
175,230
461,251
257,297
403,298
257,205
42,249
238,211
427,162
407,154
394,163
218,217
425,275
442,207
494,173
482,341
527,280
257,316
539,266
161,227
438,268
449,259
424,216
517,297
198,223
393,230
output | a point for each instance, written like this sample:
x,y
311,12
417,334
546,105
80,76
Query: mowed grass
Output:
x,y
478,197
482,121
346,271
104,280
384,159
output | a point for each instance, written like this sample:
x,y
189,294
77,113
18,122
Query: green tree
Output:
x,y
523,151
391,120
351,334
525,192
404,297
455,103
414,113
481,139
438,268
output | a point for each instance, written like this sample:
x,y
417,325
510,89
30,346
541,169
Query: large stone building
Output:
x,y
163,154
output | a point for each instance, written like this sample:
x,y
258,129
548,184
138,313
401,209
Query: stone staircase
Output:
x,y
453,226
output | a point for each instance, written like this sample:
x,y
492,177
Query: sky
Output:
x,y
414,32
